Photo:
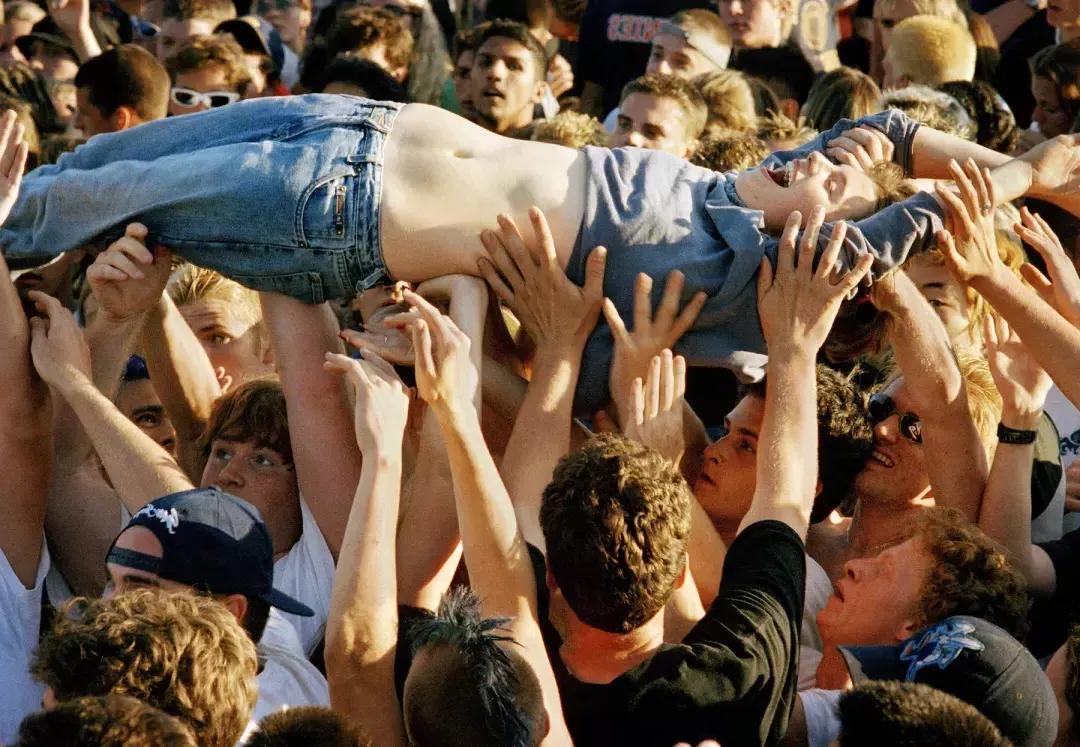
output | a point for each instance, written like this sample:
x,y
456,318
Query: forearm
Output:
x,y
1052,340
111,343
502,390
183,376
541,436
932,150
362,632
707,554
499,566
786,471
85,43
139,469
320,414
1006,18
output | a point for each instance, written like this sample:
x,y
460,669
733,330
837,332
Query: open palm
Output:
x,y
13,152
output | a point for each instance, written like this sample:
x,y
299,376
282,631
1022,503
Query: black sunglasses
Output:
x,y
882,408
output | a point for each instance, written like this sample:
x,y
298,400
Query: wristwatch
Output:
x,y
1007,435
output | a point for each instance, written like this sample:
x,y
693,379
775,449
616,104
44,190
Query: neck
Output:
x,y
832,673
597,657
507,126
878,524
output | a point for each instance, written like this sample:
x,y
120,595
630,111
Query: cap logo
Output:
x,y
169,518
939,646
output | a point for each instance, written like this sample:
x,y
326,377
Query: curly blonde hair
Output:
x,y
571,129
182,653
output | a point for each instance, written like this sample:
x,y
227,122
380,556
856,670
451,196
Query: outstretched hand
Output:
x,y
532,284
796,304
655,409
445,375
381,405
1055,170
13,152
57,346
651,334
127,278
1022,382
1062,289
970,244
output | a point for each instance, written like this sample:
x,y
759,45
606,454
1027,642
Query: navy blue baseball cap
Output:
x,y
977,662
211,541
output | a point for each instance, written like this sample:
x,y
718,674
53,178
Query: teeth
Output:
x,y
882,459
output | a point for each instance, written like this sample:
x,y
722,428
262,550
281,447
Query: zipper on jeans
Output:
x,y
339,210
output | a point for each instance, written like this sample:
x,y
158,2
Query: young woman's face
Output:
x,y
1048,113
1063,14
846,192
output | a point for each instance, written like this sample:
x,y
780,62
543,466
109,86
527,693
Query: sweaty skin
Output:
x,y
432,153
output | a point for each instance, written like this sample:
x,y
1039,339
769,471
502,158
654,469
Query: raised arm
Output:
x,y
25,422
138,467
500,570
1006,508
797,306
362,629
320,416
559,317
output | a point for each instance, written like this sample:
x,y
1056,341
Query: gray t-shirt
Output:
x,y
656,213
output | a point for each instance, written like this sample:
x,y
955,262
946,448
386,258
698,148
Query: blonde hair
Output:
x,y
778,130
930,51
571,129
947,9
192,284
844,93
729,100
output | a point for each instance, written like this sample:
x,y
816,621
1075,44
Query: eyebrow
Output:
x,y
740,430
932,285
148,409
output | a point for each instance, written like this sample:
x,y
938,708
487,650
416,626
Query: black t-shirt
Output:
x,y
733,679
615,38
1052,617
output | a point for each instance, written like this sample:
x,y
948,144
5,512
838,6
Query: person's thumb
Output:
x,y
1038,281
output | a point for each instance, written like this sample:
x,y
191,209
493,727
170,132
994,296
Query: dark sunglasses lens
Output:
x,y
184,98
912,428
880,408
216,101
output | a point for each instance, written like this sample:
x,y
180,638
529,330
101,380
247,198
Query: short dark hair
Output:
x,y
376,83
784,69
845,436
616,520
253,411
358,28
995,124
186,10
844,93
307,726
695,112
479,693
104,721
518,32
466,40
904,714
135,369
532,13
200,52
127,75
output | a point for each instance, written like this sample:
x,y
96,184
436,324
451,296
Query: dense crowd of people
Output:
x,y
521,372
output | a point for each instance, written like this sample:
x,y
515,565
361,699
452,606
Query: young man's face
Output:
x,y
175,32
289,19
753,23
1048,113
463,83
887,20
139,402
651,122
728,478
875,602
948,298
209,79
122,578
1063,14
236,348
54,63
672,55
845,192
895,472
506,85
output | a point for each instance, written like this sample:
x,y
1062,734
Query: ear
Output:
x,y
908,628
237,606
399,73
552,584
790,109
123,118
539,90
904,81
684,573
818,487
267,355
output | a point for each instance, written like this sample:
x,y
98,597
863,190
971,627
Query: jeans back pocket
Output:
x,y
326,215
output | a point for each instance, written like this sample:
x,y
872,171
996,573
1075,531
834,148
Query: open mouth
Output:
x,y
882,459
781,176
492,93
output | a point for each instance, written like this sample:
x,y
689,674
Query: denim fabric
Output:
x,y
656,213
279,194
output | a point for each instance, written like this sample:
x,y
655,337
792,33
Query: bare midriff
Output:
x,y
446,179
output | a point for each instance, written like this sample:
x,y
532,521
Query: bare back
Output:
x,y
446,179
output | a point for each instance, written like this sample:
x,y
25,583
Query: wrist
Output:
x,y
791,355
1020,418
73,384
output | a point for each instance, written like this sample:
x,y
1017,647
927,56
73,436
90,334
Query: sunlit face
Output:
x,y
506,86
1063,14
672,55
753,23
895,472
845,191
174,32
235,346
1052,118
289,19
948,297
463,83
728,478
208,79
886,21
139,402
875,602
262,477
651,122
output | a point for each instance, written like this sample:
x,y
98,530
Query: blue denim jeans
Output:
x,y
279,194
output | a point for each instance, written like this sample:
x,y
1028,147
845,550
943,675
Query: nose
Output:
x,y
635,139
735,8
663,68
1038,115
888,429
497,71
853,569
232,475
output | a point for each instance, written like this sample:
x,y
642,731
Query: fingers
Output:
x,y
337,363
652,388
18,165
595,266
1038,281
500,256
785,256
972,206
494,279
986,206
857,155
687,318
827,263
764,278
850,281
8,144
957,209
618,328
680,381
47,305
669,301
637,401
544,241
990,337
425,360
947,246
514,244
667,381
642,302
438,323
808,245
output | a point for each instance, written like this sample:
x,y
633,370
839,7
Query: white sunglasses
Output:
x,y
188,98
